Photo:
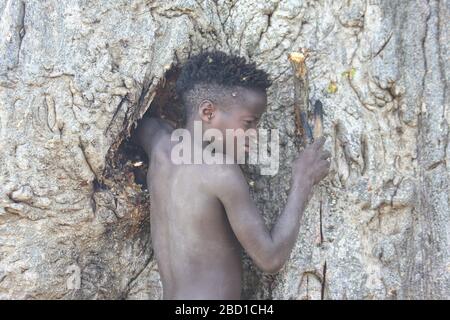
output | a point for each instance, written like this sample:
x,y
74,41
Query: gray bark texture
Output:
x,y
75,76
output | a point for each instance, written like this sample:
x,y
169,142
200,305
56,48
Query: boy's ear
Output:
x,y
206,110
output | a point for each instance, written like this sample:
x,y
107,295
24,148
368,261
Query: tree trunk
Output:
x,y
75,76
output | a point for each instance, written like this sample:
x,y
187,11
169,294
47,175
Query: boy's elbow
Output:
x,y
272,268
271,265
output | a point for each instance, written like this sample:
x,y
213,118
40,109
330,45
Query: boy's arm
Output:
x,y
270,250
148,130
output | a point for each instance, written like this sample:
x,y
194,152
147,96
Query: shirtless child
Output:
x,y
202,215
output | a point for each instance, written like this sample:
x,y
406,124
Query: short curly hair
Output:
x,y
209,69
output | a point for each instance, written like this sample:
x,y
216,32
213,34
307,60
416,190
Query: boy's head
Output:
x,y
223,91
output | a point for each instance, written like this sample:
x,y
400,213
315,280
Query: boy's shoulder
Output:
x,y
150,131
221,176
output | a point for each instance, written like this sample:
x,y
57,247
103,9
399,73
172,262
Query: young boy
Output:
x,y
202,215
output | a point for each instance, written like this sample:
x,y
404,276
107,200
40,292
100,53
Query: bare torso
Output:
x,y
196,250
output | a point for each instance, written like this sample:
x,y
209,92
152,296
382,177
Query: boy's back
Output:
x,y
198,255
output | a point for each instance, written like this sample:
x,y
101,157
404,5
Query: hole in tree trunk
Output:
x,y
130,160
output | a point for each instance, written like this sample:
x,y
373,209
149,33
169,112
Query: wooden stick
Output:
x,y
301,99
301,107
301,94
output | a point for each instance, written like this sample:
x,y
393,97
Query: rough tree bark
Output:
x,y
76,75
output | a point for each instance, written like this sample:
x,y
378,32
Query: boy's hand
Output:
x,y
312,165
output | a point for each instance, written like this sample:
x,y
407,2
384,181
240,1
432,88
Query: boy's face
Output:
x,y
242,110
